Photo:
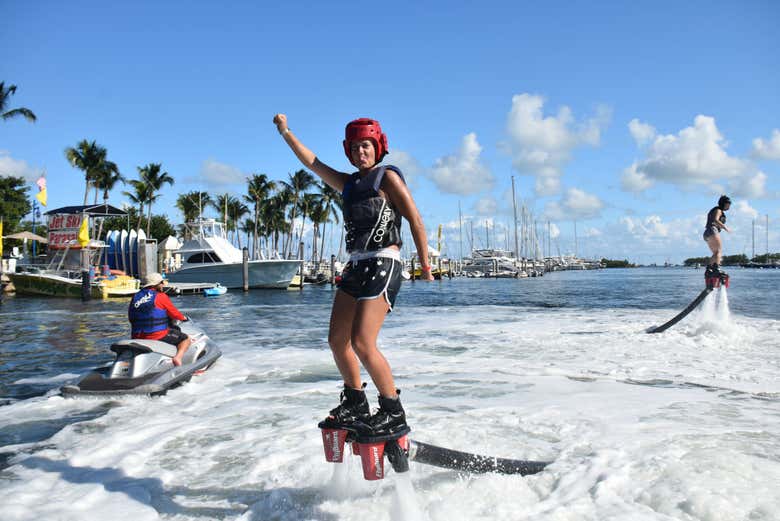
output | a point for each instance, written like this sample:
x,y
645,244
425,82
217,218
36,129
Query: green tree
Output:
x,y
274,220
139,196
152,175
237,210
5,95
299,182
247,227
191,204
106,177
332,204
160,228
14,203
90,158
259,189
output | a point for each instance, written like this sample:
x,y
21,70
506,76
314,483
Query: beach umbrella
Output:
x,y
26,235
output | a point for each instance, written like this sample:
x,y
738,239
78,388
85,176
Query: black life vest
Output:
x,y
144,316
371,221
711,217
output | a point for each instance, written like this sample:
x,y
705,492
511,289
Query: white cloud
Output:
x,y
554,231
750,186
743,208
641,132
214,173
650,227
633,180
542,146
695,156
486,205
10,167
576,204
462,172
408,165
767,149
592,232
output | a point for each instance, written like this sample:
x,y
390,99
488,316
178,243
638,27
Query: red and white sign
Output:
x,y
64,230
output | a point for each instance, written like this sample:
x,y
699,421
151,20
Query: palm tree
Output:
x,y
106,177
248,226
191,206
274,219
318,215
300,182
5,94
309,202
221,204
229,206
88,158
332,203
151,174
140,196
237,210
258,190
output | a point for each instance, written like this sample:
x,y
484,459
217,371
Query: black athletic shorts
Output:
x,y
174,337
372,278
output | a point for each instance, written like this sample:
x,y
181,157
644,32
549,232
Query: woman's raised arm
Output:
x,y
333,178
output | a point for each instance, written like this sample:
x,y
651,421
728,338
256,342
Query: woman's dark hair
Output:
x,y
723,201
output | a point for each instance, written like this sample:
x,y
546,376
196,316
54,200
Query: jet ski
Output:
x,y
146,367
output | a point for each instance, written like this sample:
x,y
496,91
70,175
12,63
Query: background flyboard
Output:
x,y
712,280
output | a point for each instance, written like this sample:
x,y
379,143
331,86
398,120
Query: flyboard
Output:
x,y
400,450
712,280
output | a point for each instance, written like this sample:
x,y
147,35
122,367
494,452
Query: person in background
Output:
x,y
149,313
375,199
716,221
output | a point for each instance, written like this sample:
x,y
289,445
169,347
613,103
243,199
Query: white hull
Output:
x,y
262,273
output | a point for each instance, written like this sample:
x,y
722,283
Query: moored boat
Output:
x,y
209,257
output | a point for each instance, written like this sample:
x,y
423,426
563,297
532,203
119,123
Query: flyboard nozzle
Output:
x,y
715,279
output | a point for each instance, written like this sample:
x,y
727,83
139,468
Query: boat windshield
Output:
x,y
206,228
204,256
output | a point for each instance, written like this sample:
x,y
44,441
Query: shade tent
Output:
x,y
96,210
26,235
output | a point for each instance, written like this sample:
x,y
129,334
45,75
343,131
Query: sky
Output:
x,y
623,120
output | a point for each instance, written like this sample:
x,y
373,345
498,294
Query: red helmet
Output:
x,y
365,128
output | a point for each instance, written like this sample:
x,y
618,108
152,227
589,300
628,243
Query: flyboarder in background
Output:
x,y
716,221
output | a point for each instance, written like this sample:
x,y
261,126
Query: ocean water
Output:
x,y
679,425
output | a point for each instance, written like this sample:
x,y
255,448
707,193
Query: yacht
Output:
x,y
207,257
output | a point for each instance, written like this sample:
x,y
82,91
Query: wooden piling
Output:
x,y
245,270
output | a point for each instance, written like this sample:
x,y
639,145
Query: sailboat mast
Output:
x,y
514,206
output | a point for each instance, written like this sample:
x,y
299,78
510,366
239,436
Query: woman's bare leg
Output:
x,y
369,317
716,247
342,316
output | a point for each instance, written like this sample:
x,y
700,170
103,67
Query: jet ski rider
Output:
x,y
375,199
149,312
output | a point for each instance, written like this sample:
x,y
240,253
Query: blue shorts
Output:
x,y
372,278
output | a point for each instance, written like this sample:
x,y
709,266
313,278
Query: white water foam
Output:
x,y
679,425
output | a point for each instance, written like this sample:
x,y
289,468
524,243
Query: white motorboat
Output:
x,y
208,257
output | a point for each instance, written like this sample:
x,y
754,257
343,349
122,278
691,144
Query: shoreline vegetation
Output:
x,y
736,260
611,263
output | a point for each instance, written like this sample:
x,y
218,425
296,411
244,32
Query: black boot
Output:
x,y
389,419
353,408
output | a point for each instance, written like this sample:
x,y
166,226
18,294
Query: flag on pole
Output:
x,y
84,231
41,195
